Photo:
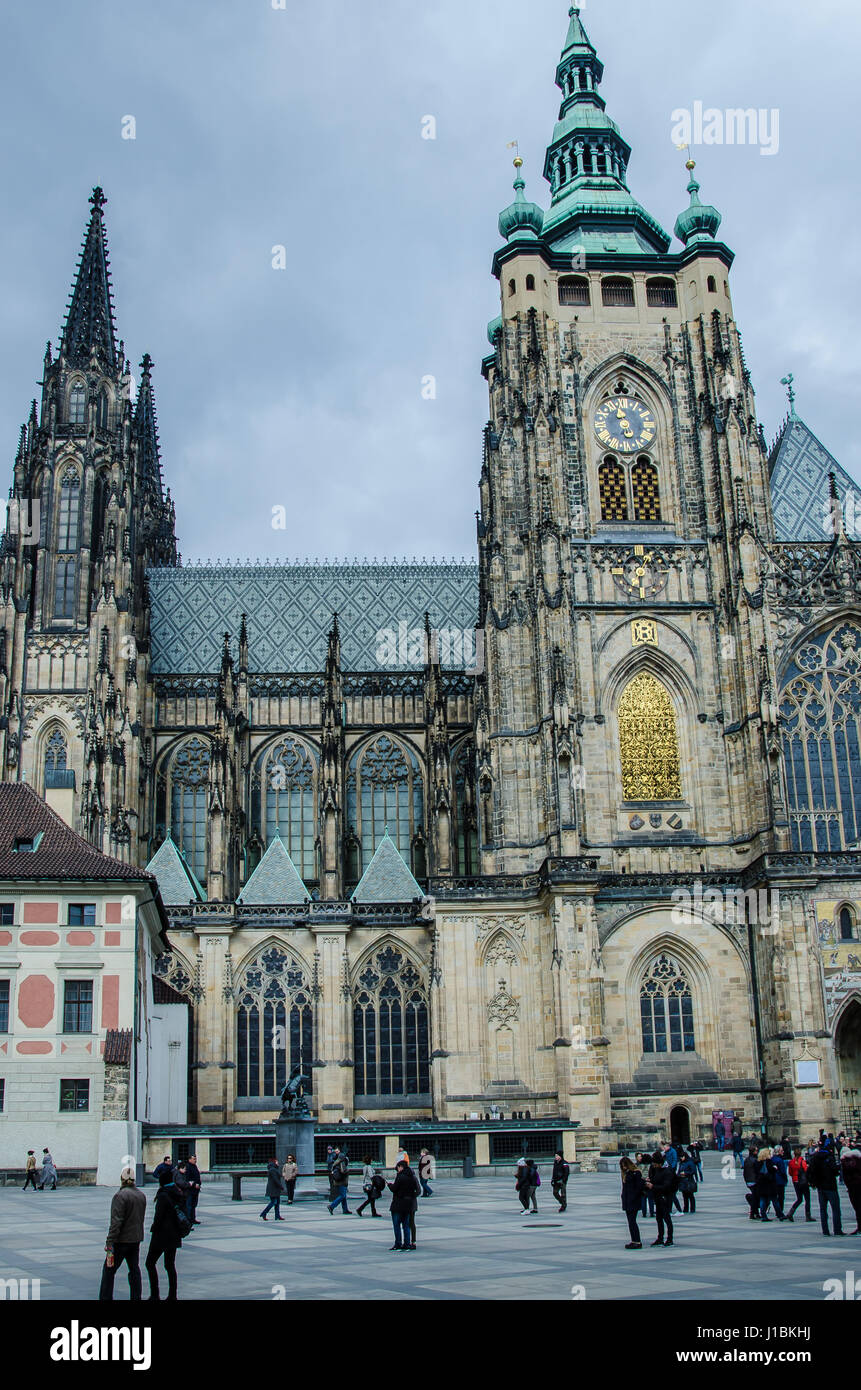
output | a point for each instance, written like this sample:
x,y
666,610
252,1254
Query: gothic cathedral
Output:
x,y
573,831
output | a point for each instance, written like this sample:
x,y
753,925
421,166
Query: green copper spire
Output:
x,y
521,218
700,221
587,162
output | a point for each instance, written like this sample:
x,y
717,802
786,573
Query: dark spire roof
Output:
x,y
90,319
145,428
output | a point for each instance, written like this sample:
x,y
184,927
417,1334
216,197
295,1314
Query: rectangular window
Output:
x,y
82,914
64,589
4,1006
78,1006
74,1095
2,1094
7,914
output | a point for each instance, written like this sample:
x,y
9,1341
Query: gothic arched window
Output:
x,y
56,754
274,1024
188,795
820,710
646,491
102,411
666,1008
612,485
77,403
391,1038
648,741
68,512
64,588
847,924
384,789
284,801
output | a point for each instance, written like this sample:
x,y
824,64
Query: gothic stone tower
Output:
x,y
87,517
626,725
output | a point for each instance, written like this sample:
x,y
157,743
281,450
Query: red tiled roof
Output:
x,y
61,853
118,1046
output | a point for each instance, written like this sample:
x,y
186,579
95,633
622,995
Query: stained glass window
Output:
x,y
384,789
648,742
286,782
820,709
189,789
391,1039
275,1024
666,1008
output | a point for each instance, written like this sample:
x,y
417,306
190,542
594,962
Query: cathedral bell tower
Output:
x,y
624,494
87,516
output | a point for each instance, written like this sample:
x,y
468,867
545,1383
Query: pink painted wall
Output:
x,y
41,913
79,938
113,914
5,938
36,1001
40,938
29,1049
111,1001
113,938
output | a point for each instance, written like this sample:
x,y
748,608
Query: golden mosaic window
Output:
x,y
648,740
613,488
646,491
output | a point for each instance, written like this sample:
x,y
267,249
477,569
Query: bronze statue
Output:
x,y
293,1100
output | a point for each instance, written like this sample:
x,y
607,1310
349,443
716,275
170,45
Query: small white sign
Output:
x,y
807,1073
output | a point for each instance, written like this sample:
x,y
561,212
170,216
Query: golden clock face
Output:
x,y
625,425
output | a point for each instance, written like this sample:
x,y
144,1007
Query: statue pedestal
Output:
x,y
296,1136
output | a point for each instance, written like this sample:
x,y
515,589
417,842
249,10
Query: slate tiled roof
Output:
x,y
276,880
60,853
387,878
175,878
290,610
800,489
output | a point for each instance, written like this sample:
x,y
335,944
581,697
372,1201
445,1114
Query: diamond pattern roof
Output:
x,y
800,490
275,880
290,610
175,879
387,878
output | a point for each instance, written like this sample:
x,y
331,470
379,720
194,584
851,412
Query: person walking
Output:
x,y
719,1129
290,1174
330,1159
850,1167
798,1174
671,1158
688,1184
274,1190
822,1173
781,1174
166,1166
696,1152
633,1187
738,1149
647,1206
49,1171
660,1184
340,1183
559,1180
169,1225
373,1186
125,1233
750,1172
30,1171
528,1182
183,1186
403,1190
427,1172
766,1182
195,1182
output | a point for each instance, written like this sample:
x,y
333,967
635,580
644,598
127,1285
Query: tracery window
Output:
x,y
77,403
185,789
666,1008
56,754
627,492
391,1038
648,741
820,709
466,828
284,802
385,790
274,1024
68,512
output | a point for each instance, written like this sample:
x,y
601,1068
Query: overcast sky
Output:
x,y
302,126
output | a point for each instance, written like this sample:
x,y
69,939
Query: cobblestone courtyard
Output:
x,y
473,1244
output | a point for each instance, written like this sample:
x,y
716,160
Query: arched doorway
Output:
x,y
680,1125
847,1048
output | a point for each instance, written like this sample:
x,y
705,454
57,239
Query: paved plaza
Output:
x,y
473,1244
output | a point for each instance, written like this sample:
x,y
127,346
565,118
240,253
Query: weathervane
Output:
x,y
788,382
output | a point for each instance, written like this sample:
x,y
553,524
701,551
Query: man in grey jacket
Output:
x,y
126,1231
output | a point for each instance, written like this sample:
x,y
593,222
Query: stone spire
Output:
x,y
145,431
89,326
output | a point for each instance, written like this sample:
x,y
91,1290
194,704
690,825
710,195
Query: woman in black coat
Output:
x,y
633,1187
166,1236
766,1183
661,1184
403,1191
274,1190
